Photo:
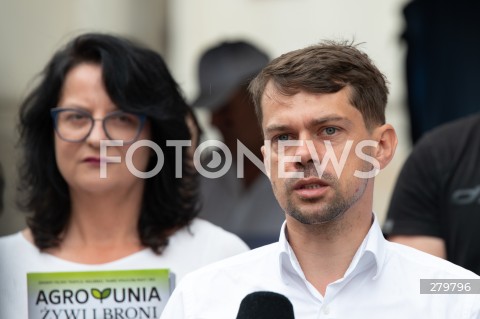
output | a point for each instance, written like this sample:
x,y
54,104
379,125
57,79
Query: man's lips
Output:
x,y
309,183
310,187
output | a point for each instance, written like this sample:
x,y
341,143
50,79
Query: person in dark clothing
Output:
x,y
435,205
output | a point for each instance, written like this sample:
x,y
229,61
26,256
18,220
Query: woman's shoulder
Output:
x,y
16,247
203,234
13,241
201,228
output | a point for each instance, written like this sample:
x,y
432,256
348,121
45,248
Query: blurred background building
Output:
x,y
30,31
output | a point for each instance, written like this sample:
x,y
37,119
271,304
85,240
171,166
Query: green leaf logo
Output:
x,y
97,294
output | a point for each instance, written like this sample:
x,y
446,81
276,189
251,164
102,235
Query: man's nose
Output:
x,y
303,152
306,153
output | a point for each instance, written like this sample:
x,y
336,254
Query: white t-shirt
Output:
x,y
382,281
188,249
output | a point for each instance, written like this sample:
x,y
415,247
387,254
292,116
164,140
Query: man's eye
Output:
x,y
283,137
330,130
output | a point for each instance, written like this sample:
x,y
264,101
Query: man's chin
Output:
x,y
315,217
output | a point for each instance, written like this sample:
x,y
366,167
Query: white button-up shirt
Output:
x,y
382,281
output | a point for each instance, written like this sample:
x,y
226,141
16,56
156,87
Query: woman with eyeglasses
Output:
x,y
97,98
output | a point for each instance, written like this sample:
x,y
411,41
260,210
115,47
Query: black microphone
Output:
x,y
265,305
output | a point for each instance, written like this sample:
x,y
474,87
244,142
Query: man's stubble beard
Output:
x,y
329,211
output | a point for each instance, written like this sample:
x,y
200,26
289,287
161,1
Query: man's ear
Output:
x,y
387,144
266,159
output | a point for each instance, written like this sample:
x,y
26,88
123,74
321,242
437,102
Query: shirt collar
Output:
x,y
375,244
287,261
371,249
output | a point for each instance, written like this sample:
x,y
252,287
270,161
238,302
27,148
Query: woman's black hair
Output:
x,y
136,80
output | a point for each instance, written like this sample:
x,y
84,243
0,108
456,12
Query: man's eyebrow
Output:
x,y
329,119
312,123
276,128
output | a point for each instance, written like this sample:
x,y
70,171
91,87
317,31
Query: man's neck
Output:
x,y
326,251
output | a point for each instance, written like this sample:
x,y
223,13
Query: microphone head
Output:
x,y
265,305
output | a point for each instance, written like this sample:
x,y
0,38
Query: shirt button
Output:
x,y
326,310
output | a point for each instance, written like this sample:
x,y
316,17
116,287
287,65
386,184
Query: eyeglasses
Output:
x,y
73,125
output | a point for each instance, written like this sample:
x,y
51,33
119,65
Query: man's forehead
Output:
x,y
272,94
311,108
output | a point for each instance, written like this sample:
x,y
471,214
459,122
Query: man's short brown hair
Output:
x,y
327,67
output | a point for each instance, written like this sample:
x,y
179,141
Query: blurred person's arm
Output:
x,y
416,213
429,244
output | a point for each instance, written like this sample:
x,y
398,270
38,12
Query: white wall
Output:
x,y
279,26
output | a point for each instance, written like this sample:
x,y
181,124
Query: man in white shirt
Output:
x,y
322,111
